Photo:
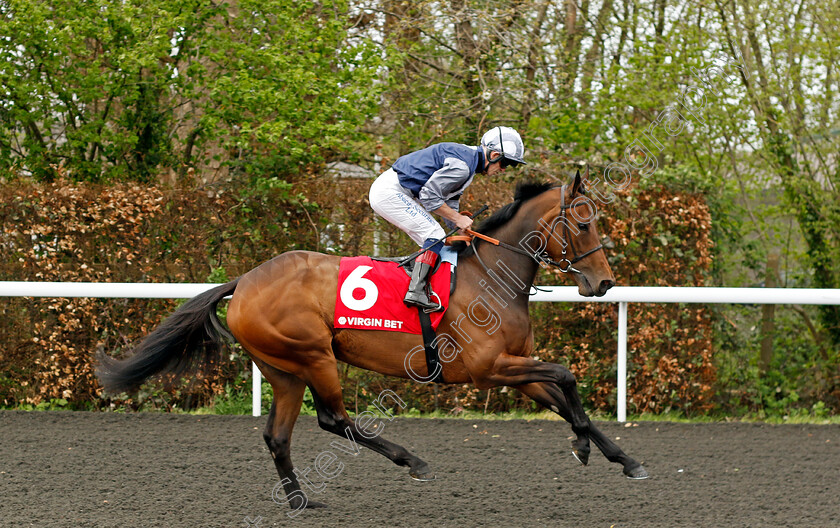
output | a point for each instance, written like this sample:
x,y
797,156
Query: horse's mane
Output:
x,y
524,191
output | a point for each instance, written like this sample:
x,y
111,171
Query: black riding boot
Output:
x,y
418,288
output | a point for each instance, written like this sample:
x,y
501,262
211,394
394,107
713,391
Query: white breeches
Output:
x,y
394,203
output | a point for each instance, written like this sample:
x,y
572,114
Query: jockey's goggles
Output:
x,y
507,162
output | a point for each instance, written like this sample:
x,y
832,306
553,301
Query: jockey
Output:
x,y
432,181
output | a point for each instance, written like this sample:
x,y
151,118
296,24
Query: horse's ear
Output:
x,y
577,183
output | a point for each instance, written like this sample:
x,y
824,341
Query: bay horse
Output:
x,y
282,314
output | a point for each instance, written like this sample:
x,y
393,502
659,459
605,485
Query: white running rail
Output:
x,y
621,294
647,294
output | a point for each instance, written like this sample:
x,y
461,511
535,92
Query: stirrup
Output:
x,y
420,304
425,303
438,308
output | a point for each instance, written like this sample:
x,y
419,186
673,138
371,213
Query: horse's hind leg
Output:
x,y
551,397
333,417
288,396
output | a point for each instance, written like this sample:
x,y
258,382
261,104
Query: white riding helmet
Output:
x,y
505,141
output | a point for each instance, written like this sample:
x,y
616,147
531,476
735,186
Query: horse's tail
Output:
x,y
190,339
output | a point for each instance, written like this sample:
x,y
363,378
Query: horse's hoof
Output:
x,y
636,473
581,457
313,504
422,477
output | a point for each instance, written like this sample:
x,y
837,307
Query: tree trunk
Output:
x,y
468,49
768,312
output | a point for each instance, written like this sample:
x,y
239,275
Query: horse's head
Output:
x,y
572,241
554,226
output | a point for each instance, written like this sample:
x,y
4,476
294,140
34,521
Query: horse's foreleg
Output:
x,y
288,396
632,468
550,397
518,370
333,417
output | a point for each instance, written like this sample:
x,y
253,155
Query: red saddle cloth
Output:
x,y
370,296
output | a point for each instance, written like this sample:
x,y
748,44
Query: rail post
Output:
x,y
256,390
621,397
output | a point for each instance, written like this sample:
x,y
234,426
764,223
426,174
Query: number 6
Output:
x,y
355,281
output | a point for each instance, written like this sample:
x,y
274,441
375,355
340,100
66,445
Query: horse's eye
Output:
x,y
583,227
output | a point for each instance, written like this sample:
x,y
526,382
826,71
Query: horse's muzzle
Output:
x,y
604,286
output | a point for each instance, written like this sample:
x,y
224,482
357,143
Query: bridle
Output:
x,y
565,264
543,256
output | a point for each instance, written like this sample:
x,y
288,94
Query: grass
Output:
x,y
794,417
238,402
242,406
798,416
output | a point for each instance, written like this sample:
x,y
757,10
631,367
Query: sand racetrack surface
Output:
x,y
69,469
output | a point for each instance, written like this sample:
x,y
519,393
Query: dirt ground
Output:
x,y
68,469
